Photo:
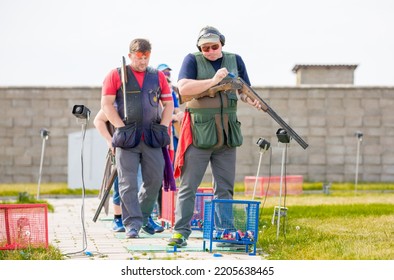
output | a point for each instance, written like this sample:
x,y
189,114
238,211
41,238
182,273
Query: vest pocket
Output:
x,y
235,137
232,99
158,136
126,137
204,134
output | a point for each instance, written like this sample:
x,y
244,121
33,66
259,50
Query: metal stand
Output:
x,y
82,114
44,135
264,146
279,210
283,137
359,136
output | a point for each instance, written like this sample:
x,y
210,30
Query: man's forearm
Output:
x,y
189,87
110,111
113,116
224,86
102,129
166,117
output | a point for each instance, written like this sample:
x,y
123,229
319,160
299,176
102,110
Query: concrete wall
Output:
x,y
24,112
326,117
340,74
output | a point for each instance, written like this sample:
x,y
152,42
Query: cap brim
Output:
x,y
163,67
213,38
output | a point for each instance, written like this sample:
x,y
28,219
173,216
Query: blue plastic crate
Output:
x,y
231,221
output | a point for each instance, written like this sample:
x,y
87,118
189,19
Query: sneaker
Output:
x,y
148,228
177,240
133,233
156,227
117,225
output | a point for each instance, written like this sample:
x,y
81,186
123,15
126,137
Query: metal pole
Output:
x,y
257,175
280,189
264,146
359,136
44,136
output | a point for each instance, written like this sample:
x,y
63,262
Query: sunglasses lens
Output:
x,y
207,48
141,54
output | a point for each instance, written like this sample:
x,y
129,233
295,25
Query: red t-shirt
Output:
x,y
112,83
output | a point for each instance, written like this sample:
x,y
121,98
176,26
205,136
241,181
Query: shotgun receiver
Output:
x,y
249,92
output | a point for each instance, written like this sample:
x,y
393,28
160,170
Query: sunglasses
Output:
x,y
207,48
141,54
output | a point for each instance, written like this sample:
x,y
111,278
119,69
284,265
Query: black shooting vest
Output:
x,y
214,119
142,104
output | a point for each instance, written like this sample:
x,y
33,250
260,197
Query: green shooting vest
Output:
x,y
214,119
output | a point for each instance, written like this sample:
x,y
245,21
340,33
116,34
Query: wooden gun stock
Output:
x,y
104,198
211,92
249,92
107,183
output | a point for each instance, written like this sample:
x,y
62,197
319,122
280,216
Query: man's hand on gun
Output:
x,y
220,75
109,144
255,103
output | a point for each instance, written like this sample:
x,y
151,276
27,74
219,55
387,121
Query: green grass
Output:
x,y
62,189
50,253
330,227
45,189
26,198
341,225
364,186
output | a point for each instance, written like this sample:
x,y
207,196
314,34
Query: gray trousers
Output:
x,y
195,164
138,205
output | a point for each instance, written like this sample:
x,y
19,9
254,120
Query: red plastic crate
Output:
x,y
23,225
167,213
291,184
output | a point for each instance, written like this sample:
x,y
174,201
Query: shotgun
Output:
x,y
239,83
110,174
123,73
249,92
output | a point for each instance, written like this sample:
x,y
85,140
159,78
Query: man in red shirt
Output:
x,y
141,117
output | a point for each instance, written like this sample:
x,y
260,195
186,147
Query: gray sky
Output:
x,y
77,42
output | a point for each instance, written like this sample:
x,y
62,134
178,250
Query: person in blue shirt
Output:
x,y
216,130
178,113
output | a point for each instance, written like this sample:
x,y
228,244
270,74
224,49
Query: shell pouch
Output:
x,y
126,137
235,137
204,132
157,136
